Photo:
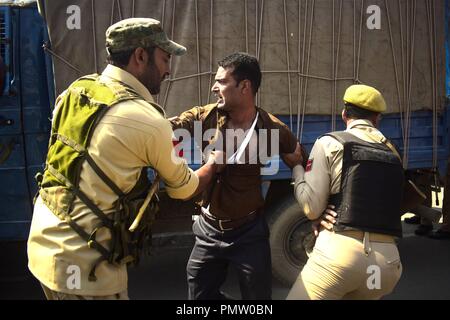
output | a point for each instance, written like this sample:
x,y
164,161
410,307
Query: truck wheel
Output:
x,y
289,230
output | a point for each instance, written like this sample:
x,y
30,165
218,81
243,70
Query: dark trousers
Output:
x,y
246,248
446,199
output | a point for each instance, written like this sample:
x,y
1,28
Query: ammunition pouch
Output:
x,y
139,241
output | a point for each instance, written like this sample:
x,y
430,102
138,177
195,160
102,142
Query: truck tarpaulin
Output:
x,y
310,50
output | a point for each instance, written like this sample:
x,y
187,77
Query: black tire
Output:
x,y
288,230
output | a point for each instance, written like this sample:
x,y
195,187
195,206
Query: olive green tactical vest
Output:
x,y
82,107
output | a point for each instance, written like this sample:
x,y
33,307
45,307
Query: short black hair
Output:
x,y
121,59
245,67
355,112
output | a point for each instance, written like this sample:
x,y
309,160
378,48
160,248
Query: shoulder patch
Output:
x,y
309,165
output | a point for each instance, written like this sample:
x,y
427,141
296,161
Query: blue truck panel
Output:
x,y
447,47
26,104
36,98
5,51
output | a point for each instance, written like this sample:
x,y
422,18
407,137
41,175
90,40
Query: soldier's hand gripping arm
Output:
x,y
216,160
215,164
181,182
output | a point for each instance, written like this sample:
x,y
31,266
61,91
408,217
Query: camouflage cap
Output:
x,y
132,33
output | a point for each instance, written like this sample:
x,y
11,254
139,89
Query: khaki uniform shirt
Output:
x,y
323,176
132,135
237,190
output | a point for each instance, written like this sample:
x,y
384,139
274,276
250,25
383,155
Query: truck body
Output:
x,y
310,51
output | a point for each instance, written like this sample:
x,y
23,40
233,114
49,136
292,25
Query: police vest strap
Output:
x,y
344,136
106,221
92,243
393,149
77,147
341,136
103,176
69,142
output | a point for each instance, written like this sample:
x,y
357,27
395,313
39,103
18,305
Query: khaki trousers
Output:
x,y
54,295
348,267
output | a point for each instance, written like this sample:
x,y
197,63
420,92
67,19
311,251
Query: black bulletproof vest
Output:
x,y
371,187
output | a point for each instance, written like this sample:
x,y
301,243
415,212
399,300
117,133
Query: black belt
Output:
x,y
227,224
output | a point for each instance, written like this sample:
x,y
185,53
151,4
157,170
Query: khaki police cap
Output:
x,y
365,97
133,33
